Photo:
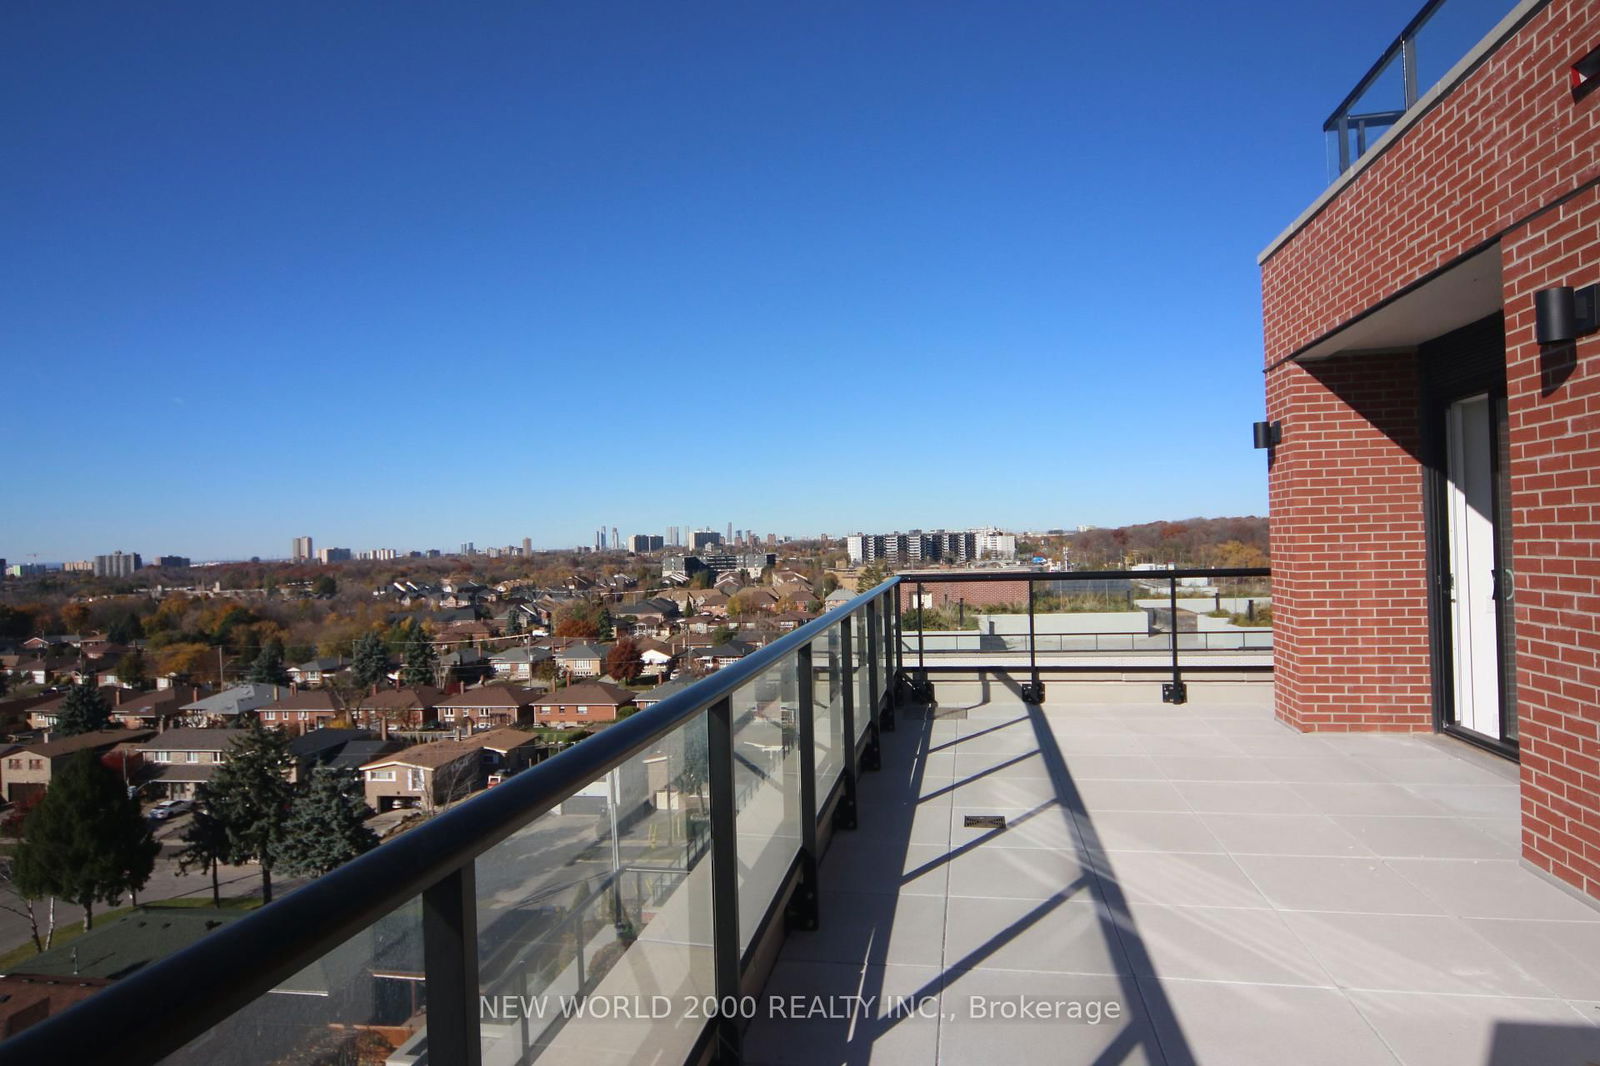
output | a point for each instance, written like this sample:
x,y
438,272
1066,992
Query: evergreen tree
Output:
x,y
84,710
205,847
370,662
326,827
249,795
86,841
422,660
5,681
268,668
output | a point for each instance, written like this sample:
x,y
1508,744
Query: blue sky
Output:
x,y
407,274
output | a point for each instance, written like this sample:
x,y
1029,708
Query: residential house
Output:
x,y
300,712
582,659
324,747
226,707
837,598
504,752
29,767
427,776
586,703
46,714
45,670
411,706
518,664
720,655
487,707
317,671
154,710
185,758
657,656
646,700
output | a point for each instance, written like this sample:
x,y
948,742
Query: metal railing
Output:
x,y
654,859
1436,37
1157,636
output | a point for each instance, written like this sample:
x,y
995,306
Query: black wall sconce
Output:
x,y
1268,434
1564,314
1585,75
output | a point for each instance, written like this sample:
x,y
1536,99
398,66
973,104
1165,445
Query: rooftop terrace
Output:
x,y
1241,892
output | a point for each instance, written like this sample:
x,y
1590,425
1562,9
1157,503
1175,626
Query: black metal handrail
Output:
x,y
158,1010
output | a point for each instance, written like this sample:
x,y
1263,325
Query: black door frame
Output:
x,y
1460,364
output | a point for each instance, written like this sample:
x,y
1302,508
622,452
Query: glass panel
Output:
x,y
864,701
598,906
766,785
361,1002
828,708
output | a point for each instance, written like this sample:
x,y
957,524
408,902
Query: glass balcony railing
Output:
x,y
1435,39
619,901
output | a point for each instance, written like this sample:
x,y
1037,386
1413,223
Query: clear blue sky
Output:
x,y
412,273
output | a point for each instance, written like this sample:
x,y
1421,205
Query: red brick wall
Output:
x,y
1505,146
1349,603
1507,140
1554,407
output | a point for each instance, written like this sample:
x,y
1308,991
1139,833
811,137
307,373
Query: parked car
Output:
x,y
171,809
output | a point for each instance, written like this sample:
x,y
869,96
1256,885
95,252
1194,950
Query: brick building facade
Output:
x,y
1435,492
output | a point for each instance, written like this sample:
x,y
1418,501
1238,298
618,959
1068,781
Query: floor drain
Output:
x,y
985,821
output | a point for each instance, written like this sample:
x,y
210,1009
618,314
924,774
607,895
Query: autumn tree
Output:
x,y
86,841
75,616
870,577
131,669
577,620
83,711
623,661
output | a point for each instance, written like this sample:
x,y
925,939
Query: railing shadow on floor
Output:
x,y
1151,1026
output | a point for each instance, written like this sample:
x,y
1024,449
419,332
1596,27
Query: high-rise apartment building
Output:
x,y
640,543
303,551
703,538
333,555
117,564
527,545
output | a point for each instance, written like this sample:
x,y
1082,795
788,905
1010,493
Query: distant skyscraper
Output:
x,y
527,545
302,550
730,530
616,539
469,548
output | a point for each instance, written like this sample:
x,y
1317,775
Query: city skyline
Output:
x,y
263,209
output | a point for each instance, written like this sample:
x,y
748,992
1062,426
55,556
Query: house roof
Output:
x,y
429,754
158,700
733,649
311,699
662,691
320,665
582,650
189,739
238,699
358,753
503,739
118,948
500,696
521,655
411,698
588,693
104,738
325,741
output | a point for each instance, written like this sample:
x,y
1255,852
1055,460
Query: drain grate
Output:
x,y
985,821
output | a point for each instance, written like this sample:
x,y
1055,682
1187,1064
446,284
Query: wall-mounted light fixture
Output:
x,y
1564,314
1586,75
1268,434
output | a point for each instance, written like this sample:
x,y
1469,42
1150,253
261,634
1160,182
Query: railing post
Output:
x,y
844,815
1408,63
1174,691
802,912
899,642
923,689
450,967
725,946
1034,691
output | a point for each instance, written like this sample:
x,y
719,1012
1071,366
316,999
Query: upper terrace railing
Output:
x,y
1432,42
612,903
1088,621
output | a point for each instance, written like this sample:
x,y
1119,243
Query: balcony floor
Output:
x,y
1241,892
